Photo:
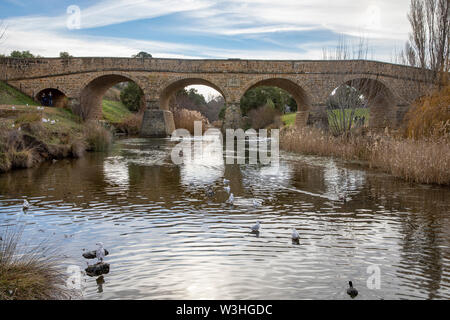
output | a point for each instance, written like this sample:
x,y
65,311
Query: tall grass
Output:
x,y
131,125
185,119
262,117
422,161
97,137
28,274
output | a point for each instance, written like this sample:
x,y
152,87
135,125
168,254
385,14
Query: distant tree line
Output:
x,y
26,54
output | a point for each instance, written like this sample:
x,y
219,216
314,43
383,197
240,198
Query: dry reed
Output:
x,y
422,161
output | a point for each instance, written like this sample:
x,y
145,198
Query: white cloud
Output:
x,y
383,22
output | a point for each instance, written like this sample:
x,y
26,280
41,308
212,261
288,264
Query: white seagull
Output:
x,y
231,199
256,227
227,189
100,253
26,204
226,181
295,235
256,203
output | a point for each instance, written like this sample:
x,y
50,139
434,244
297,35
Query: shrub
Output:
x,y
97,137
77,147
222,113
262,117
131,96
430,116
5,162
28,274
185,119
131,125
22,159
28,117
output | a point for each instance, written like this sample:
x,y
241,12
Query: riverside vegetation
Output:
x,y
418,152
31,134
29,273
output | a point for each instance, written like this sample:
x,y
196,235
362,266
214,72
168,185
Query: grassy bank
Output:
x,y
11,96
114,111
288,119
422,161
29,136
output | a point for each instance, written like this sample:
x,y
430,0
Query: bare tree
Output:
x,y
345,50
2,29
429,45
346,105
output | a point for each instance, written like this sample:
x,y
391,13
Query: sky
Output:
x,y
246,29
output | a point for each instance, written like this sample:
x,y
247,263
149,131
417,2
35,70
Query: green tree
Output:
x,y
131,96
142,54
261,96
21,54
65,55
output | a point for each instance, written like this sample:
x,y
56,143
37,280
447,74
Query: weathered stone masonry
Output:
x,y
85,80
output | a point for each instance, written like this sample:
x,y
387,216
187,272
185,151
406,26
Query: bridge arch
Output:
x,y
58,97
299,94
169,89
381,100
94,88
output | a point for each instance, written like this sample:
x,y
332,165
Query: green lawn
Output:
x,y
288,119
360,112
114,111
10,95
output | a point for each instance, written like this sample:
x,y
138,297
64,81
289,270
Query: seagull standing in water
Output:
x,y
226,181
100,253
295,235
26,204
227,189
231,199
256,227
256,203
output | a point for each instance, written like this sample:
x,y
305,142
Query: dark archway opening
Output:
x,y
51,97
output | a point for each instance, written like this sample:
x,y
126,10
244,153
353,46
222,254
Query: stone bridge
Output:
x,y
389,88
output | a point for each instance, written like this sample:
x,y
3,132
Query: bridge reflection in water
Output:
x,y
168,240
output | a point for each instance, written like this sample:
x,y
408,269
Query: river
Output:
x,y
168,240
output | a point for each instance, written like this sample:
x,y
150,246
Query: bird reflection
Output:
x,y
100,282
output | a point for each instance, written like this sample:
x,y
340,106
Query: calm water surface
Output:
x,y
167,240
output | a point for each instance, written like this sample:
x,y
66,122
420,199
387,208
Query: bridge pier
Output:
x,y
156,123
316,116
233,117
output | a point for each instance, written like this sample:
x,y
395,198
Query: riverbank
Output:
x,y
32,134
421,161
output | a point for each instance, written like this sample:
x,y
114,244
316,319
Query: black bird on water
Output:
x,y
352,292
